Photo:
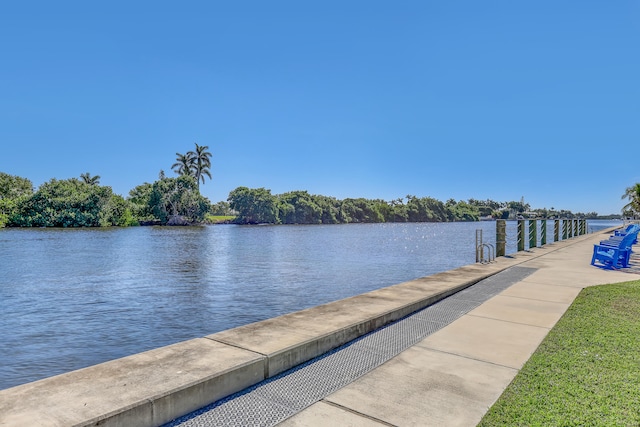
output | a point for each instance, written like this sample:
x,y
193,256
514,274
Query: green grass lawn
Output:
x,y
218,219
587,370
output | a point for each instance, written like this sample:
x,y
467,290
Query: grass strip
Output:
x,y
219,219
586,372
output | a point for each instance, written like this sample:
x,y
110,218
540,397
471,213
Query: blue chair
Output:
x,y
631,228
615,252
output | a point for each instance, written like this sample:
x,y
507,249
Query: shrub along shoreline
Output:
x,y
177,201
586,371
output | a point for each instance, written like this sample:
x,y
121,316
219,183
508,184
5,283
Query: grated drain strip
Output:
x,y
282,396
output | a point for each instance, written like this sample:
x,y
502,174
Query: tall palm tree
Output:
x,y
202,163
91,180
633,194
185,164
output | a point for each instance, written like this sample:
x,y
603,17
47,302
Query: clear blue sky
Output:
x,y
375,99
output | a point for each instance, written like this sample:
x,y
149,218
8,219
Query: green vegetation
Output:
x,y
169,201
585,373
85,203
88,179
255,206
13,192
177,201
195,163
632,209
219,219
70,203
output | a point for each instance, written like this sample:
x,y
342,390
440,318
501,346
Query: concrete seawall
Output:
x,y
154,387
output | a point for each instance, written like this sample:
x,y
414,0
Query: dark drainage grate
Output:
x,y
278,398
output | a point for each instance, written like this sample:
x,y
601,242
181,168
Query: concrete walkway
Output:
x,y
452,377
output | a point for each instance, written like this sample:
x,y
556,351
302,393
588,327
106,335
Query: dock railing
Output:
x,y
530,233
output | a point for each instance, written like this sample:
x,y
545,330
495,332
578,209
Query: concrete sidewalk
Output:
x,y
452,377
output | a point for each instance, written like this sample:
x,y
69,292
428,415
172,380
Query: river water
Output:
x,y
73,298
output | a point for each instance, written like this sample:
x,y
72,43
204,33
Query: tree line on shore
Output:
x,y
259,206
77,203
83,202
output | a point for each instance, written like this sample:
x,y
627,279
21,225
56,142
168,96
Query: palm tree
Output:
x,y
202,163
91,180
633,194
185,164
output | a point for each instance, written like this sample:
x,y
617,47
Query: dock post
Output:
x,y
501,237
479,247
520,235
533,233
572,228
556,230
543,232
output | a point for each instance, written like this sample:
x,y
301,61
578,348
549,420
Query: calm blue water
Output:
x,y
74,298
